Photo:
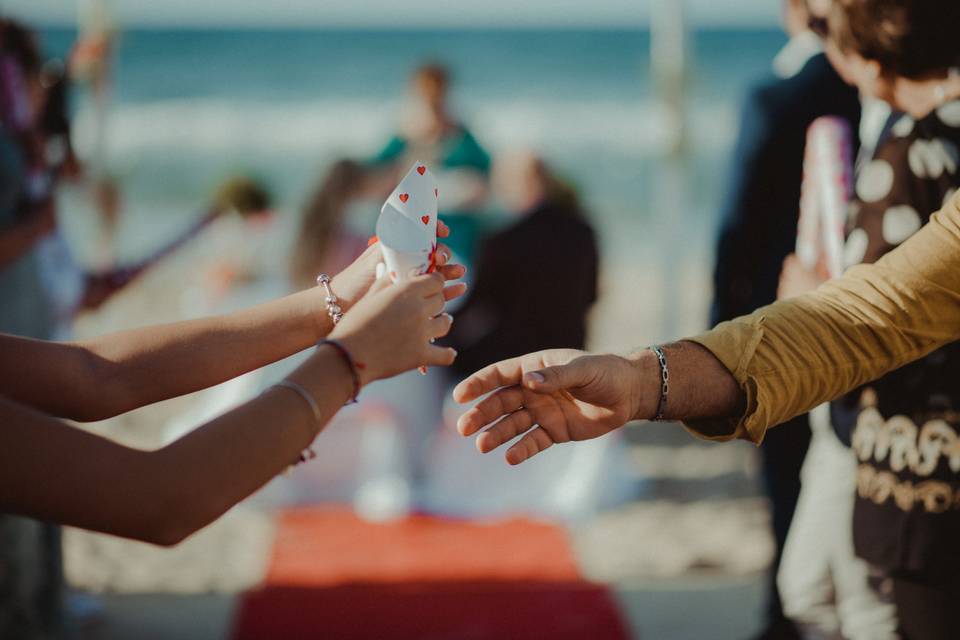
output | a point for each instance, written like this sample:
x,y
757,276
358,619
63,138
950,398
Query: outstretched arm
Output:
x,y
51,471
748,374
102,377
571,395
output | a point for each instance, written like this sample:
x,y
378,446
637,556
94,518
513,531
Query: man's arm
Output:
x,y
748,374
564,395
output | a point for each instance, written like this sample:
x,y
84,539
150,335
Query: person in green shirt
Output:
x,y
430,133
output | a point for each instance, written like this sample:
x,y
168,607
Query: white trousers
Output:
x,y
825,589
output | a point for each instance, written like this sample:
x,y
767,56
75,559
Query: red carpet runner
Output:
x,y
335,576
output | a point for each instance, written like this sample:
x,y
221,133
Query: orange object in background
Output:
x,y
333,575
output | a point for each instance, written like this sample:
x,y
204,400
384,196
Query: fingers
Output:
x,y
551,379
427,285
434,305
440,326
380,284
443,231
455,291
452,271
439,356
504,431
490,409
443,254
501,374
528,446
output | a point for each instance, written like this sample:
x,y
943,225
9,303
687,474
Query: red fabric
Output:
x,y
333,575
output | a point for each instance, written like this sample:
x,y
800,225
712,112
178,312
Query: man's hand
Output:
x,y
562,394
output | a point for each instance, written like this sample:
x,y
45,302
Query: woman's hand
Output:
x,y
797,279
352,283
567,394
390,330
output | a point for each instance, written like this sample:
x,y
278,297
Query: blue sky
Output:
x,y
404,13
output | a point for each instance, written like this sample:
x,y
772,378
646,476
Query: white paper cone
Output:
x,y
416,198
406,246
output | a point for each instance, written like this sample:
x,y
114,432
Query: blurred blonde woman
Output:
x,y
322,242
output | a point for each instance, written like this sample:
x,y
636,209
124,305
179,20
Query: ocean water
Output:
x,y
190,107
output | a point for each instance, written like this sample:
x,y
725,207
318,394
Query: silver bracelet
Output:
x,y
308,453
333,302
664,383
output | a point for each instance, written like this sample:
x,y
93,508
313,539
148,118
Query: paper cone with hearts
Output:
x,y
407,248
407,227
416,198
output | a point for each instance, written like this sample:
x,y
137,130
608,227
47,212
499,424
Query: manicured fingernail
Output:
x,y
536,376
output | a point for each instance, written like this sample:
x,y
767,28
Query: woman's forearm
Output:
x,y
163,496
105,376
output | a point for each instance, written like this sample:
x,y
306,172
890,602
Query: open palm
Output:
x,y
553,396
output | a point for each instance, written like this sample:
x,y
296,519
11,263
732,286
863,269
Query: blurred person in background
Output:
x,y
229,240
323,241
759,229
535,280
905,53
31,574
431,133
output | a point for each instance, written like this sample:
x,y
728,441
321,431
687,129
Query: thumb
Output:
x,y
382,281
552,379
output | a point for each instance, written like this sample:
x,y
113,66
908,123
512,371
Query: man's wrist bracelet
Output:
x,y
664,383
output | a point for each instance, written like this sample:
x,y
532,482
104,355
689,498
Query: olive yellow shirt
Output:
x,y
790,356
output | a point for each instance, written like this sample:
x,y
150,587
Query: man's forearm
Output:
x,y
699,386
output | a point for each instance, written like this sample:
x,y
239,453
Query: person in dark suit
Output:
x,y
759,229
536,280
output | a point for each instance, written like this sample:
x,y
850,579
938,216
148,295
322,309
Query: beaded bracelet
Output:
x,y
351,365
333,302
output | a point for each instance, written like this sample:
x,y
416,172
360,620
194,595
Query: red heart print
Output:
x,y
425,219
404,197
421,170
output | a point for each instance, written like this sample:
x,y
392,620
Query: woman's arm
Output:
x,y
158,497
51,471
105,376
